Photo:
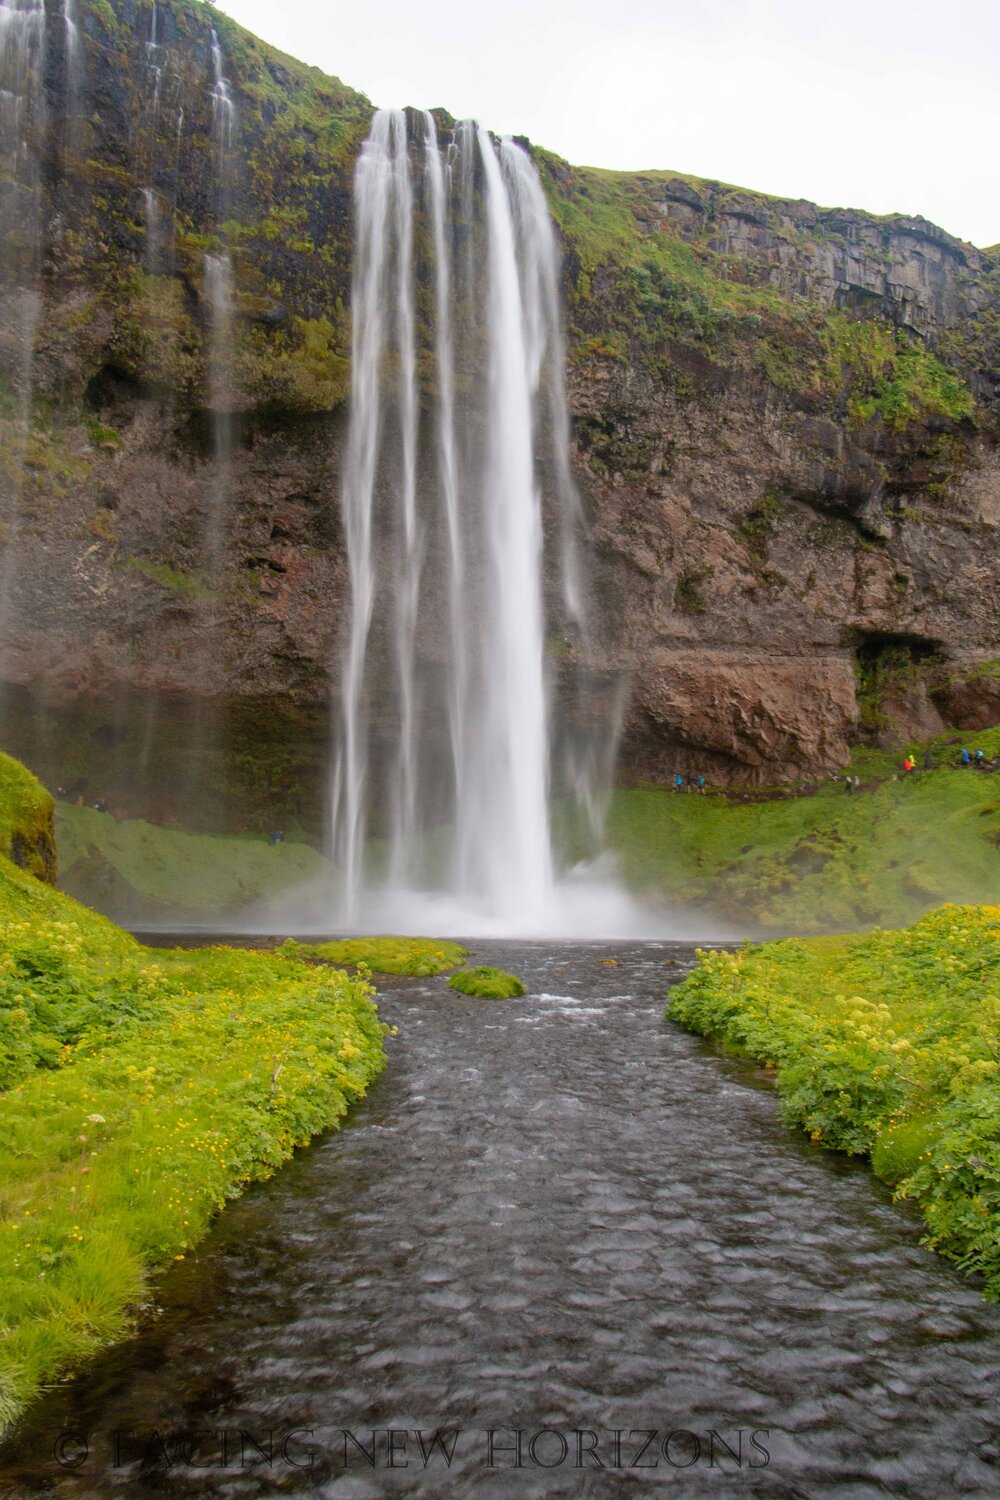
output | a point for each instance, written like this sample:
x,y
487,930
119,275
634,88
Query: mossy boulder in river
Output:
x,y
486,983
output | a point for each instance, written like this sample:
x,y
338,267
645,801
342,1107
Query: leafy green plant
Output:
x,y
109,439
170,578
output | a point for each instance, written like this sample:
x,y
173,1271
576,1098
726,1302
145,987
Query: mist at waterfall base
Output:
x,y
464,536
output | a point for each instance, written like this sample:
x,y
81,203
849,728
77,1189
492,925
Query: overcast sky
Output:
x,y
869,104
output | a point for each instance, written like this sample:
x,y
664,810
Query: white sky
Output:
x,y
871,104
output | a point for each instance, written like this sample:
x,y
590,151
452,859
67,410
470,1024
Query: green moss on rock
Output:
x,y
27,831
651,289
486,983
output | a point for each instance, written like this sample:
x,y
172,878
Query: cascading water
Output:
x,y
507,836
154,63
22,110
218,300
162,154
74,64
448,456
456,467
22,124
219,293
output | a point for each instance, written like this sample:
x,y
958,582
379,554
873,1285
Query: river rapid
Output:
x,y
578,1246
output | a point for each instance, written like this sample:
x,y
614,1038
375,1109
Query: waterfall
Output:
x,y
154,63
219,294
22,123
22,105
74,62
448,459
223,117
376,177
507,832
159,195
22,126
408,548
458,503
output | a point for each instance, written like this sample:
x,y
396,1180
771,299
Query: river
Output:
x,y
559,1232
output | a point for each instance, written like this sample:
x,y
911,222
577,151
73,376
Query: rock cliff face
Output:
x,y
785,434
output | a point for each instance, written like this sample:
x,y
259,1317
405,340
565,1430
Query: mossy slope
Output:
x,y
823,861
645,287
141,873
385,955
641,286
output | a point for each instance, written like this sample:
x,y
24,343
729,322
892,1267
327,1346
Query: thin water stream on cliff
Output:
x,y
556,1212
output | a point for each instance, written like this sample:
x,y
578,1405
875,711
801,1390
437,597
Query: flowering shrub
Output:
x,y
886,1044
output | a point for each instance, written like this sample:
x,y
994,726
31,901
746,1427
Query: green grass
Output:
x,y
115,1159
886,1045
138,1091
945,750
385,955
132,867
822,862
792,863
486,983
